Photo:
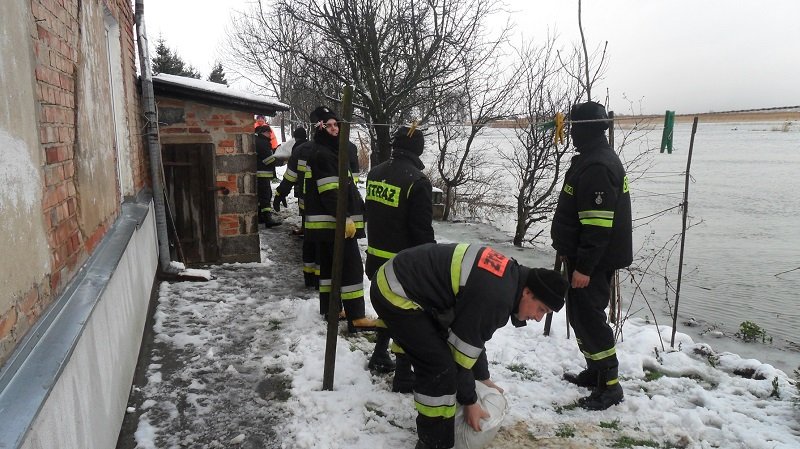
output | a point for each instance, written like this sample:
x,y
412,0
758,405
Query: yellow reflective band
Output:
x,y
568,189
353,295
461,358
463,353
328,186
455,266
395,299
601,222
264,175
324,288
308,269
600,355
380,252
290,176
352,291
320,225
625,184
379,323
442,411
613,381
394,347
383,193
596,214
266,209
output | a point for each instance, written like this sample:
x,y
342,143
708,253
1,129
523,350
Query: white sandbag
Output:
x,y
283,152
493,402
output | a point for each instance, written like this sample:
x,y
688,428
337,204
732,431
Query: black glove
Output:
x,y
276,203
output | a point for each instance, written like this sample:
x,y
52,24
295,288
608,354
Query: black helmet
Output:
x,y
584,132
409,138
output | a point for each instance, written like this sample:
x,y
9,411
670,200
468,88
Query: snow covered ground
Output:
x,y
238,362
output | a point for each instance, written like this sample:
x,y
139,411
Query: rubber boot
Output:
x,y
586,378
270,220
421,445
381,361
362,324
608,392
403,381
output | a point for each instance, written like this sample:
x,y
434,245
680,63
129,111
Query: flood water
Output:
x,y
744,202
744,208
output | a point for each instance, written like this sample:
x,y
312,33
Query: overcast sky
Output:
x,y
683,55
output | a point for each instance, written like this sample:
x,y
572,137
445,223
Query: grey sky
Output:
x,y
684,55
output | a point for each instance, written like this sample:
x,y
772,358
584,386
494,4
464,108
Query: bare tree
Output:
x,y
585,68
389,50
535,162
460,117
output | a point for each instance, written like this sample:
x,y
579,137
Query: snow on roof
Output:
x,y
219,90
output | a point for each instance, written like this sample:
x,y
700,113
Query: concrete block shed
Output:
x,y
208,154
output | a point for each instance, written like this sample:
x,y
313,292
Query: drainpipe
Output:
x,y
153,144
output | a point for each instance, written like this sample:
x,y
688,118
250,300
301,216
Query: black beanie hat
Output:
x,y
548,287
262,129
584,132
322,114
409,138
299,133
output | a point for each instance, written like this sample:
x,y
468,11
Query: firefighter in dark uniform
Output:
x,y
592,232
266,142
441,303
400,215
320,224
294,178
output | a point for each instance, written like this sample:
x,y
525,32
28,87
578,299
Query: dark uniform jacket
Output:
x,y
265,166
592,222
322,184
469,290
399,208
294,176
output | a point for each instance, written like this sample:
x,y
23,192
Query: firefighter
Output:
x,y
320,224
441,303
294,178
400,211
266,142
592,232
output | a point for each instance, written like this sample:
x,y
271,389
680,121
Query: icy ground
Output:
x,y
237,362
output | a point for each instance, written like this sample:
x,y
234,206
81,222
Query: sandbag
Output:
x,y
283,152
493,402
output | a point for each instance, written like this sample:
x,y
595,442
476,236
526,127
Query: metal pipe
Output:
x,y
153,144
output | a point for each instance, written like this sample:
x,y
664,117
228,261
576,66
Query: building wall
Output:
x,y
62,191
230,132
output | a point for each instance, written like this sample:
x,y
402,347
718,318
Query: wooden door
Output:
x,y
191,192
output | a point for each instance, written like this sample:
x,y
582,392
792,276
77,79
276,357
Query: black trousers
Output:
x,y
425,344
352,291
587,316
310,257
264,191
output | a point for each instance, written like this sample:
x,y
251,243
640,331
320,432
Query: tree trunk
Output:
x,y
447,202
383,148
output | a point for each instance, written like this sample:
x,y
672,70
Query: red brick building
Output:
x,y
206,134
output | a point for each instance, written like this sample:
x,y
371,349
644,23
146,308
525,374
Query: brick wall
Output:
x,y
231,134
55,41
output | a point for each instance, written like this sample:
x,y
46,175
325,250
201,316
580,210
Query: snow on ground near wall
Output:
x,y
256,323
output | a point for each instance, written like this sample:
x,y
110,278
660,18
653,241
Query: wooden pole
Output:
x,y
683,233
548,320
338,243
613,299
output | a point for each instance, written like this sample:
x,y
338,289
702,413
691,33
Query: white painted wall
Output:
x,y
87,404
25,259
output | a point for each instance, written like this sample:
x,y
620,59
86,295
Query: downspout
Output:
x,y
153,144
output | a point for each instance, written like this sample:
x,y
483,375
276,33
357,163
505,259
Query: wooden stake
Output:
x,y
683,233
338,242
